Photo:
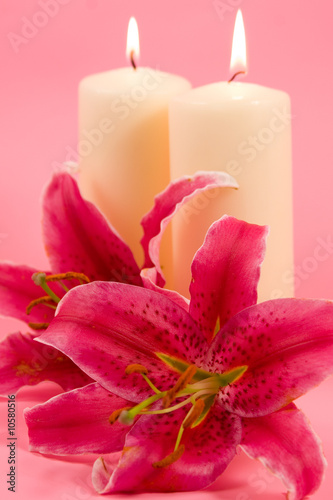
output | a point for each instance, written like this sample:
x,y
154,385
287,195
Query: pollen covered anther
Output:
x,y
38,326
136,369
194,414
67,276
170,459
41,300
41,279
142,370
116,414
181,383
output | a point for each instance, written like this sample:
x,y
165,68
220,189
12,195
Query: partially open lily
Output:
x,y
176,390
82,246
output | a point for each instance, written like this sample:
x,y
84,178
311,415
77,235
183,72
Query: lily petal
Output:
x,y
78,238
17,290
225,272
150,277
285,443
77,422
168,203
104,327
102,470
26,362
209,448
287,345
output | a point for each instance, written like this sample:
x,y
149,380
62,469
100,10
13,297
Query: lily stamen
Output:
x,y
191,399
41,300
181,383
208,383
38,326
201,396
40,280
170,459
68,276
136,368
128,416
115,414
194,413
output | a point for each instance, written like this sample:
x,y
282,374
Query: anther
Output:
x,y
41,300
170,459
194,414
181,383
142,370
68,276
116,413
136,369
38,326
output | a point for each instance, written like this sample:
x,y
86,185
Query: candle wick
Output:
x,y
236,74
132,59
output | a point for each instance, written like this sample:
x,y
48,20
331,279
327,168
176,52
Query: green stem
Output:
x,y
151,385
49,292
133,412
191,399
64,286
179,437
50,305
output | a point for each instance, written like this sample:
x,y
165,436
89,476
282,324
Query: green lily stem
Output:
x,y
49,292
133,412
179,437
151,385
50,305
191,399
63,286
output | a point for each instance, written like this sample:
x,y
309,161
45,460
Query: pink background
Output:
x,y
289,46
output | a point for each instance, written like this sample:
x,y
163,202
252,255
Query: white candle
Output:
x,y
245,130
124,142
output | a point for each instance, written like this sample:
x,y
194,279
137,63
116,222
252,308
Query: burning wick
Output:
x,y
236,74
132,59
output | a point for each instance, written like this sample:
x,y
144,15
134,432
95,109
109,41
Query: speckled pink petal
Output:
x,y
168,203
288,347
285,443
78,238
209,448
17,290
149,278
225,272
23,361
77,422
104,327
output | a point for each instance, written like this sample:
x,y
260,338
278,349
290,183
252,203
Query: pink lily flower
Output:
x,y
178,389
82,246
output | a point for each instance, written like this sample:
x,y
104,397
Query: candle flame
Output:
x,y
133,44
238,53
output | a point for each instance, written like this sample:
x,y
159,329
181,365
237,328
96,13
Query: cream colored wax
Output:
x,y
124,144
245,130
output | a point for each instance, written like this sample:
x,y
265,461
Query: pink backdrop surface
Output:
x,y
289,46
